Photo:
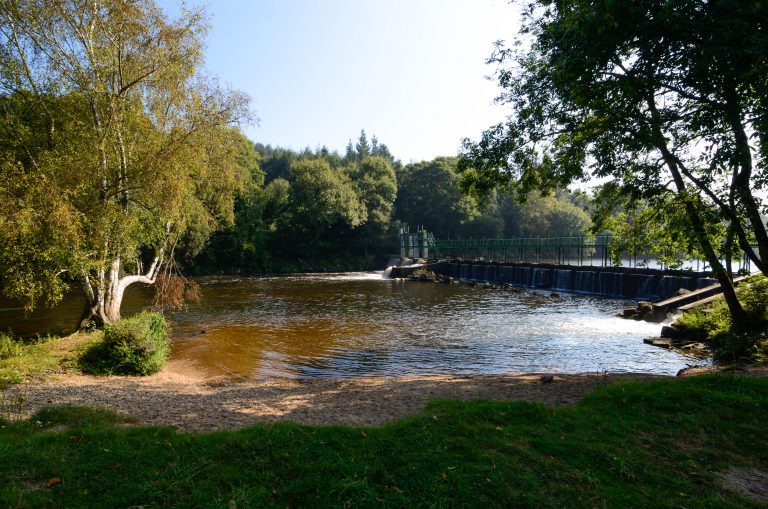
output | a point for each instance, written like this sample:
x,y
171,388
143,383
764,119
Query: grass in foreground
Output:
x,y
42,356
651,444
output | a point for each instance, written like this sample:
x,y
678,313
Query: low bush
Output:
x,y
732,341
9,347
133,346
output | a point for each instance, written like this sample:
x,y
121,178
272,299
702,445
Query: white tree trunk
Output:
x,y
105,294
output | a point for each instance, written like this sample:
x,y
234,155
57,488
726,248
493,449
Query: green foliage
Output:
x,y
318,211
429,195
322,196
113,145
321,211
733,341
664,100
544,216
376,185
137,345
9,347
616,448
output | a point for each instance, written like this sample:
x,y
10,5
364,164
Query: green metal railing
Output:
x,y
560,250
577,250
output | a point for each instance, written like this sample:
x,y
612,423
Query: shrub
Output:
x,y
732,341
133,346
9,347
753,294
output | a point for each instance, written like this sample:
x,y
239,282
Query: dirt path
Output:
x,y
178,397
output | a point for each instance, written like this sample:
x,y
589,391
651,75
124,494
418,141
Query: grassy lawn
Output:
x,y
634,444
45,355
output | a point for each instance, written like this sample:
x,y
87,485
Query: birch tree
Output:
x,y
114,143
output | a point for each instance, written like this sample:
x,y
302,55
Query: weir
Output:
x,y
581,264
617,282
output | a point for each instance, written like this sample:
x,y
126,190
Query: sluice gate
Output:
x,y
617,282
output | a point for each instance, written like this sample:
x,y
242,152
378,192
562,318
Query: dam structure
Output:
x,y
618,282
565,264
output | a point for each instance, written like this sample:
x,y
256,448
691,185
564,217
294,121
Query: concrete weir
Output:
x,y
618,282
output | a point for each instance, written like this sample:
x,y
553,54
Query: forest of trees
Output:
x,y
319,210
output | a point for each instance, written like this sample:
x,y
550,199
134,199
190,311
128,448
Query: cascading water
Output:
x,y
647,288
585,281
621,283
541,278
564,280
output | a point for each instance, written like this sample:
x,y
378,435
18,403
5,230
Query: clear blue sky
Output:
x,y
409,71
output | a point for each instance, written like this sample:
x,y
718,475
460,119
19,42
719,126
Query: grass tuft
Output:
x,y
9,347
44,355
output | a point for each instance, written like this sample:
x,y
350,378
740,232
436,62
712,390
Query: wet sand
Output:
x,y
179,397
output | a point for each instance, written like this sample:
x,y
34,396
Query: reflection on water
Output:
x,y
358,323
65,317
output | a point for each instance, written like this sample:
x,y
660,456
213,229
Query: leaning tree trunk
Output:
x,y
697,222
104,295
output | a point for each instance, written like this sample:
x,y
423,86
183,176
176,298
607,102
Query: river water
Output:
x,y
361,324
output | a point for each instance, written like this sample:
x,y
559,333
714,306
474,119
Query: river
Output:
x,y
351,324
361,324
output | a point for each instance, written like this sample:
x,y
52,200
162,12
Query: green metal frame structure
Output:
x,y
557,250
582,250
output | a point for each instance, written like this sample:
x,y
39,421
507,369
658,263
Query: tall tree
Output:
x,y
109,122
660,97
376,185
362,147
322,197
543,216
429,195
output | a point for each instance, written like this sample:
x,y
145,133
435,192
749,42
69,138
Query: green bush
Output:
x,y
9,347
133,346
732,341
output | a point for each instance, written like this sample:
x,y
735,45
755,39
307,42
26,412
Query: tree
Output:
x,y
660,97
543,216
109,123
322,197
429,195
376,185
362,148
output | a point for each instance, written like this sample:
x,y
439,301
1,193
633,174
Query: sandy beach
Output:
x,y
179,397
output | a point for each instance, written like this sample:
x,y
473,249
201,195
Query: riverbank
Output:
x,y
181,395
178,397
695,442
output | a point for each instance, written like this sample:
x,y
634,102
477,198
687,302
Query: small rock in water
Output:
x,y
660,342
629,312
555,295
671,332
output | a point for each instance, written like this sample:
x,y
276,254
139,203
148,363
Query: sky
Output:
x,y
410,72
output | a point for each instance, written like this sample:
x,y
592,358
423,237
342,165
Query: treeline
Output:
x,y
318,210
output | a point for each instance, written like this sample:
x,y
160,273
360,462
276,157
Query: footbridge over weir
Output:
x,y
567,264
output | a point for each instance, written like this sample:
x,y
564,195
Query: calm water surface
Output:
x,y
358,323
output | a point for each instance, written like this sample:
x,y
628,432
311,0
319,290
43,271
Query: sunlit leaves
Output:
x,y
111,130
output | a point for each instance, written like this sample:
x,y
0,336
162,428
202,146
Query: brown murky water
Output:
x,y
360,324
